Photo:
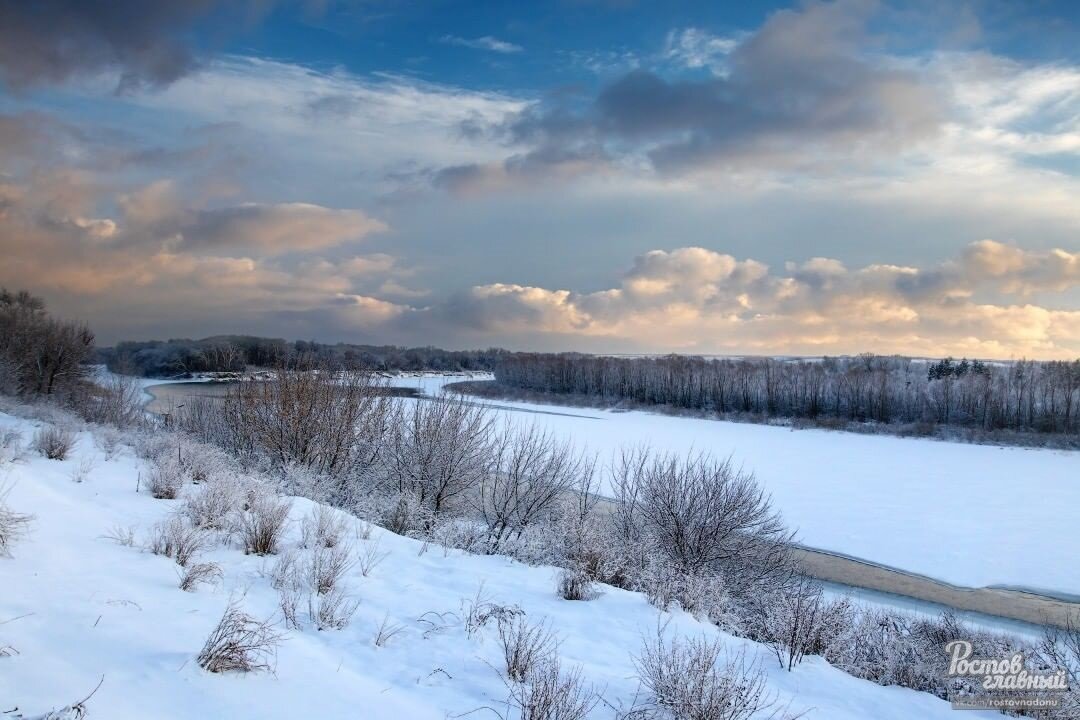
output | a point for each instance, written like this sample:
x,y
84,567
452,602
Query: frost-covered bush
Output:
x,y
216,503
108,439
701,515
695,679
174,537
1060,649
262,522
13,525
81,471
200,462
11,448
552,693
795,621
437,454
525,646
575,585
703,595
54,442
892,648
531,472
402,513
165,479
151,445
323,527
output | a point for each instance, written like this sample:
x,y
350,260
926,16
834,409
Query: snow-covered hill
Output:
x,y
77,605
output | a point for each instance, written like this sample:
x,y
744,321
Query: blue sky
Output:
x,y
796,178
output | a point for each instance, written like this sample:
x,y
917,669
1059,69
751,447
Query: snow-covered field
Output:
x,y
76,607
971,515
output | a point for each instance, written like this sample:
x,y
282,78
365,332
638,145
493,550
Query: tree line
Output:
x,y
234,353
1023,395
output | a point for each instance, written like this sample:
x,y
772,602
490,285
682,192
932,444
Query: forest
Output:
x,y
233,353
1022,395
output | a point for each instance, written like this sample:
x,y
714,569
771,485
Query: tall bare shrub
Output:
x,y
531,473
438,451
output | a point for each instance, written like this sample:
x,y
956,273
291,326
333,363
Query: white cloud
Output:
x,y
697,48
486,42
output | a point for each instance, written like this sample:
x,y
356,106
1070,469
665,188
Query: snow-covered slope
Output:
x,y
76,606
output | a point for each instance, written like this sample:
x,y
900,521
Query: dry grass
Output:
x,y
198,574
525,646
369,557
327,566
386,631
322,528
239,643
175,538
331,611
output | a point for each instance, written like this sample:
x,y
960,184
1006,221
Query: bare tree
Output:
x,y
701,514
438,451
532,472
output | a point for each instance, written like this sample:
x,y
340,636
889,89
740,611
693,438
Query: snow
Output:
x,y
970,515
78,606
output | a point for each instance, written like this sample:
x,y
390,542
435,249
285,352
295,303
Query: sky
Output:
x,y
622,176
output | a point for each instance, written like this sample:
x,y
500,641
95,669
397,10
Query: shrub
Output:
x,y
175,538
323,527
165,479
216,503
701,515
54,442
13,525
551,693
696,680
239,643
263,522
575,585
525,646
108,441
791,621
10,445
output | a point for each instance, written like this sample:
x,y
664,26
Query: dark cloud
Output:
x,y
49,41
804,88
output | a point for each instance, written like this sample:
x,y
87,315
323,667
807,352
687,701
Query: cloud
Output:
x,y
50,41
698,48
698,300
804,91
486,42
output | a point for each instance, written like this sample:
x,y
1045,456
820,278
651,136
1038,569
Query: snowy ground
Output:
x,y
970,515
75,606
